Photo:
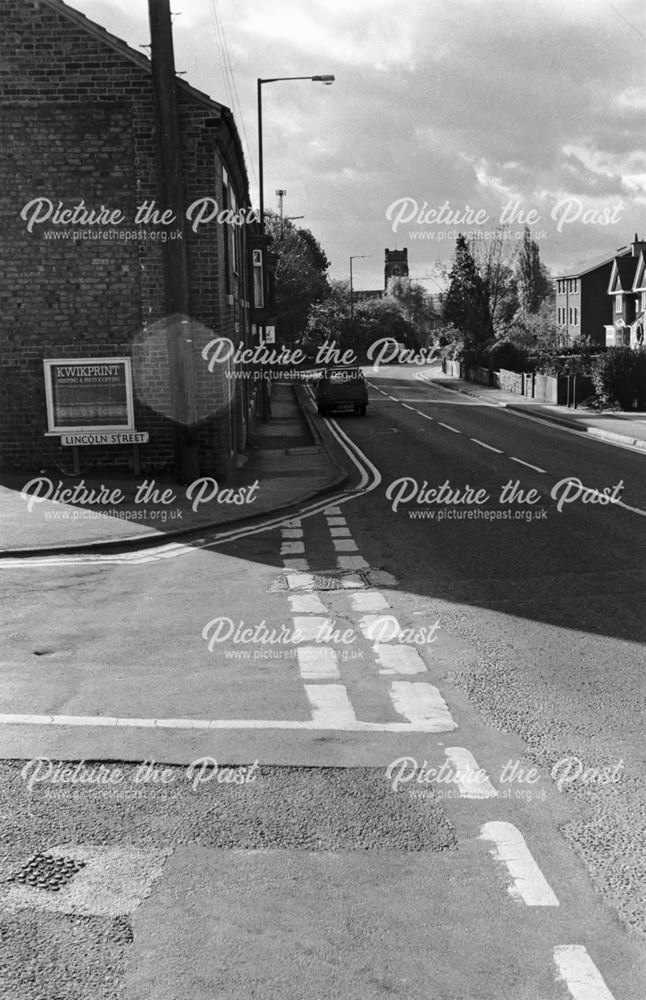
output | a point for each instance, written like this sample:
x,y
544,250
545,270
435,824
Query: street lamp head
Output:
x,y
327,79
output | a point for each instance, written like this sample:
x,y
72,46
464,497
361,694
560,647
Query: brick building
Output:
x,y
82,252
599,300
627,292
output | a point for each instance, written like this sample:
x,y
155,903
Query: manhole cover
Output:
x,y
46,872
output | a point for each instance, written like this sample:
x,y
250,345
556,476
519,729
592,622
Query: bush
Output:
x,y
619,377
504,354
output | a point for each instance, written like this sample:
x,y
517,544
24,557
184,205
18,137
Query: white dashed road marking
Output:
x,y
330,704
292,548
311,627
448,427
352,562
339,532
345,545
422,703
317,663
396,659
299,564
292,532
529,884
471,781
483,444
528,465
306,604
580,974
369,600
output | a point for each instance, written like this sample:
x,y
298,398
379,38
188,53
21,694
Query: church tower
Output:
x,y
396,265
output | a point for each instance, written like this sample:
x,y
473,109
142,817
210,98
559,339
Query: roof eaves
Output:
x,y
118,44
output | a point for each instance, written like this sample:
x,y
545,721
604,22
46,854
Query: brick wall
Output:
x,y
77,123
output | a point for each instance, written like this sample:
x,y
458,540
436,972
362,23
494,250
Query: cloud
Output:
x,y
471,101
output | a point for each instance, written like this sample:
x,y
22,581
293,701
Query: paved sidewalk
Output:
x,y
287,463
615,427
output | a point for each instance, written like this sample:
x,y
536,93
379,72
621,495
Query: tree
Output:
x,y
466,305
416,307
494,259
534,284
301,276
329,319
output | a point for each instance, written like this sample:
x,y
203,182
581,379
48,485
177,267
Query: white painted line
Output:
x,y
527,464
448,427
380,628
352,562
337,521
300,581
292,533
352,582
483,444
409,407
425,415
306,604
422,704
292,548
330,704
300,564
332,510
311,627
395,659
472,782
579,973
317,663
340,532
369,600
394,398
529,885
104,721
345,545
113,882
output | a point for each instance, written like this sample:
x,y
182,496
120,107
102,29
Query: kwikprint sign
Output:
x,y
88,394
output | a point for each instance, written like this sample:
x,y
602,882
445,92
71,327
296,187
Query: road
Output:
x,y
393,742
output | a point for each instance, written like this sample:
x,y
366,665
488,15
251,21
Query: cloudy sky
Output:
x,y
473,105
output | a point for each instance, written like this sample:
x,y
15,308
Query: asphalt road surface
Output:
x,y
389,745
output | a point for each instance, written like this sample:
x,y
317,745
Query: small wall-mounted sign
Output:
x,y
88,394
105,437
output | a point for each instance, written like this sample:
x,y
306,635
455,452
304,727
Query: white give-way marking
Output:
x,y
529,885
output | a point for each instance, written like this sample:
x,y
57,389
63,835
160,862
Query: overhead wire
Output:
x,y
231,89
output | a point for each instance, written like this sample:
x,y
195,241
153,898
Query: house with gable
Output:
x,y
83,257
627,291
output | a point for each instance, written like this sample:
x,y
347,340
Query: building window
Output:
x,y
576,316
570,319
617,303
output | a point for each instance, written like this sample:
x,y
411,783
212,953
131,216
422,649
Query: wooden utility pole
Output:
x,y
171,196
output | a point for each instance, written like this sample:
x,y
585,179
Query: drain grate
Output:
x,y
318,581
44,871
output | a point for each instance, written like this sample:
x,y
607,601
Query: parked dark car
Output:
x,y
342,389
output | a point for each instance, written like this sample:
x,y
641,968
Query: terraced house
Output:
x,y
127,246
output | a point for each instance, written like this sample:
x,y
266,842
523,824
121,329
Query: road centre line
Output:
x,y
528,465
528,882
483,444
448,427
579,973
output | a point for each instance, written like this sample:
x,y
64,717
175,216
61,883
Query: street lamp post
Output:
x,y
327,79
358,256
